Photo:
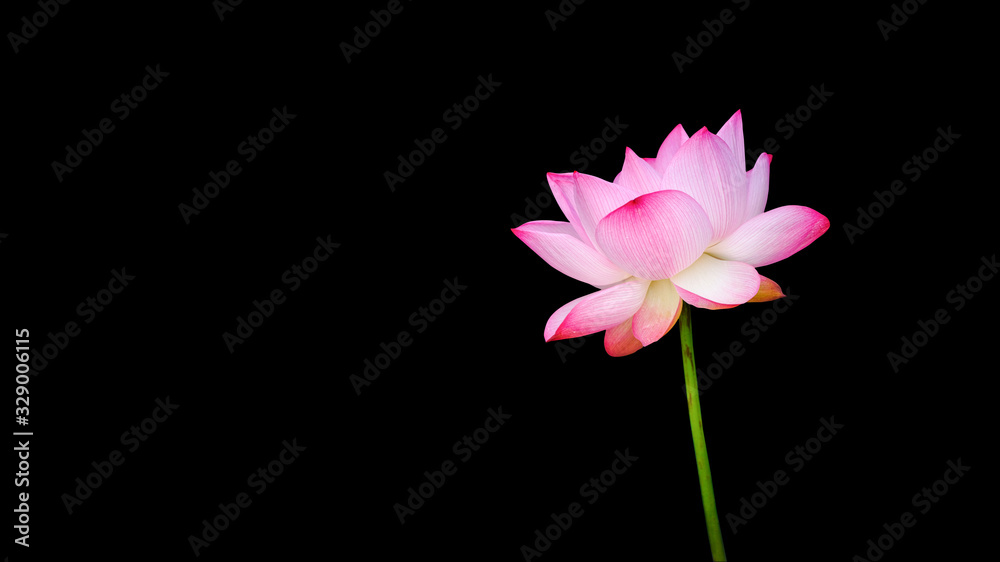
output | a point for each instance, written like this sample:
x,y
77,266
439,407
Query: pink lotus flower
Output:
x,y
686,226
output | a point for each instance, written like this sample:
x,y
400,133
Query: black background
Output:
x,y
571,407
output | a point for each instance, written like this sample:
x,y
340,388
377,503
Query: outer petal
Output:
x,y
619,341
557,243
563,188
656,235
712,283
706,169
772,236
669,148
768,291
638,175
757,183
658,313
595,198
732,134
597,311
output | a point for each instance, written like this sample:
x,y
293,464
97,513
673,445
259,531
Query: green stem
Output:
x,y
698,434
